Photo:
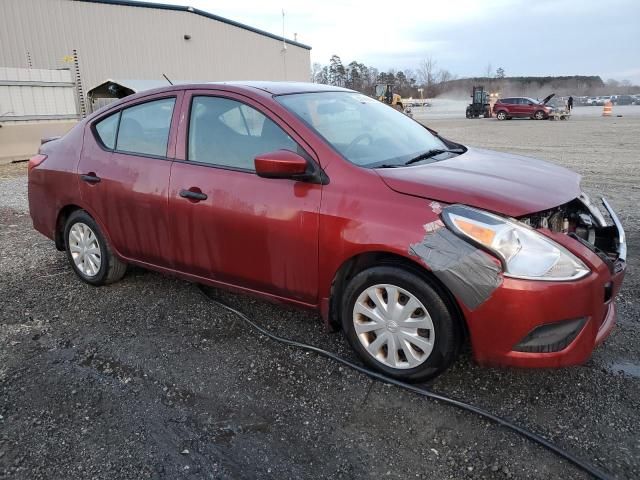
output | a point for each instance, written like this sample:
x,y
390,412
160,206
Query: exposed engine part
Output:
x,y
580,219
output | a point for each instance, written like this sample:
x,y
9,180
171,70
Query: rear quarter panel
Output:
x,y
54,183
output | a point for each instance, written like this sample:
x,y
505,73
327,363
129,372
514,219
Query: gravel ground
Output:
x,y
148,379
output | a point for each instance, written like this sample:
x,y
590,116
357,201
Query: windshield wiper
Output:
x,y
432,153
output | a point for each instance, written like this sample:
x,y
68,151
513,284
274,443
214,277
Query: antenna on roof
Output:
x,y
167,79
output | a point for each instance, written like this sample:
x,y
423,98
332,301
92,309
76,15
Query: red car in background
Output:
x,y
522,107
326,199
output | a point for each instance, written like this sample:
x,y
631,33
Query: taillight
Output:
x,y
36,160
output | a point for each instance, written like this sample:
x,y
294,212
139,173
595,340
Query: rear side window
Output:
x,y
144,129
107,130
228,133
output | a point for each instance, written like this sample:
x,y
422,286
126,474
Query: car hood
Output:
x,y
546,99
509,184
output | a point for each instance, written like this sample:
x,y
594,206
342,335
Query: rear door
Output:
x,y
241,229
124,171
518,107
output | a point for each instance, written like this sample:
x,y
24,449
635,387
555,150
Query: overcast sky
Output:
x,y
525,37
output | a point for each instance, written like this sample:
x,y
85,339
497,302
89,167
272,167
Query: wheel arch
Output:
x,y
61,220
357,263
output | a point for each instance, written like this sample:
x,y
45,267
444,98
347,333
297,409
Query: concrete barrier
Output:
x,y
21,140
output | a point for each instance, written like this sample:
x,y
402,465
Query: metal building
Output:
x,y
100,39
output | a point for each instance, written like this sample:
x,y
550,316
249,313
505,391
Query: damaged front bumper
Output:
x,y
529,323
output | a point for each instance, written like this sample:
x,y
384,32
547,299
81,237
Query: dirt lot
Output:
x,y
147,379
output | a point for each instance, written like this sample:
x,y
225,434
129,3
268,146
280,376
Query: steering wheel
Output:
x,y
357,140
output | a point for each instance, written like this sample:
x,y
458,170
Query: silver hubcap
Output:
x,y
85,249
393,326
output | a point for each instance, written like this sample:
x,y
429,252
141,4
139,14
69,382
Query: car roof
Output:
x,y
266,87
284,88
274,88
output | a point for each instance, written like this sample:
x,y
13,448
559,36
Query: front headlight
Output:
x,y
524,252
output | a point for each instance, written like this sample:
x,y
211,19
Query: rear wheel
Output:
x,y
399,324
501,115
88,251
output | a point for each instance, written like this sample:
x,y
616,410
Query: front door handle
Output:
x,y
90,178
193,196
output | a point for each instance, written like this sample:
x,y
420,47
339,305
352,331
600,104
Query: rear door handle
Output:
x,y
194,196
90,178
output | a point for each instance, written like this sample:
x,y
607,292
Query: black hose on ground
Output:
x,y
534,437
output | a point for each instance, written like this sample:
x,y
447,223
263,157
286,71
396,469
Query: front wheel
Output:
x,y
501,115
88,251
399,324
539,115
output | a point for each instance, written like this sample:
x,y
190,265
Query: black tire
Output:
x,y
448,334
539,115
501,115
468,113
111,268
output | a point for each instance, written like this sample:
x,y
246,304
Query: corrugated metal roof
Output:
x,y
180,8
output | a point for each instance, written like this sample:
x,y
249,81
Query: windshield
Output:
x,y
365,131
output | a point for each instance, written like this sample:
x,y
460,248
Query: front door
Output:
x,y
230,225
124,174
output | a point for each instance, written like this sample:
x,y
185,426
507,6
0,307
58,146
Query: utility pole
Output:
x,y
284,49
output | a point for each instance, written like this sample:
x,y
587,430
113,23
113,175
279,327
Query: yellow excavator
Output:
x,y
384,93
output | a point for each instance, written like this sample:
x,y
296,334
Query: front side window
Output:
x,y
229,133
107,129
144,128
364,131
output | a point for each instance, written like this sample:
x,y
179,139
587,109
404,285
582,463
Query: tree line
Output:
x,y
435,81
363,78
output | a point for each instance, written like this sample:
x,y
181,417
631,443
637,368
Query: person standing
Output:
x,y
570,103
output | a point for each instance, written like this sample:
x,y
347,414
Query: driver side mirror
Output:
x,y
281,164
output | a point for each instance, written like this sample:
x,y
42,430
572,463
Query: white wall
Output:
x,y
126,42
36,94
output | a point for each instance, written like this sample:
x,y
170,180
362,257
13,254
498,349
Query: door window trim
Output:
x,y
193,94
177,105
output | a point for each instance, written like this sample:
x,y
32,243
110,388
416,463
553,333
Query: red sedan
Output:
x,y
327,199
